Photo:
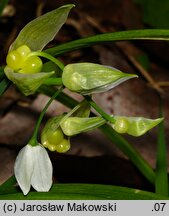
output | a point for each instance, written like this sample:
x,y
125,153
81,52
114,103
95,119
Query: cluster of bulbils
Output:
x,y
33,166
53,138
21,61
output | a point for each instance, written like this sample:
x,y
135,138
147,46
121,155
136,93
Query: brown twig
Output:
x,y
40,7
163,83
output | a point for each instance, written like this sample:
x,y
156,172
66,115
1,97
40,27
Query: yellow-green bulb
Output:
x,y
121,125
63,147
23,50
31,65
20,61
14,60
52,138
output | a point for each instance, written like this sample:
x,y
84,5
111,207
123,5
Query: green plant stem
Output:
x,y
62,97
161,182
117,139
53,81
130,152
49,57
144,34
33,141
99,110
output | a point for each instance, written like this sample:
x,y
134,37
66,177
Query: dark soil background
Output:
x,y
92,159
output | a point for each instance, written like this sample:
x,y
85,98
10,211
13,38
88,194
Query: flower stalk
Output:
x,y
33,140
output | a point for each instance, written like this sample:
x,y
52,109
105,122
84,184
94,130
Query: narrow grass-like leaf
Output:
x,y
40,31
116,138
145,34
2,75
8,186
130,152
161,182
4,85
86,192
3,3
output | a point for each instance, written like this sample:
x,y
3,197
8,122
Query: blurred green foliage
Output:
x,y
155,12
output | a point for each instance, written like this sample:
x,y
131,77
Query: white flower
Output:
x,y
33,167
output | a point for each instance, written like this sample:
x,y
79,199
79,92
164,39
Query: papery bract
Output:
x,y
88,78
40,31
75,125
27,83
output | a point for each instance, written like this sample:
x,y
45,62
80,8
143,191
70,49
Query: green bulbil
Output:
x,y
121,125
52,136
63,146
20,61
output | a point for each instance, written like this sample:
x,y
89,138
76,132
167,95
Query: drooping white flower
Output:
x,y
33,167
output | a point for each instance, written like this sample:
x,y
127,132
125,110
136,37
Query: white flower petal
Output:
x,y
23,168
42,174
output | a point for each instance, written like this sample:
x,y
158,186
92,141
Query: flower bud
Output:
x,y
75,125
135,126
88,78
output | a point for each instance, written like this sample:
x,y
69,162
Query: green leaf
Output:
x,y
4,85
86,192
9,186
27,83
75,125
144,34
2,74
135,126
161,182
155,12
144,60
39,32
